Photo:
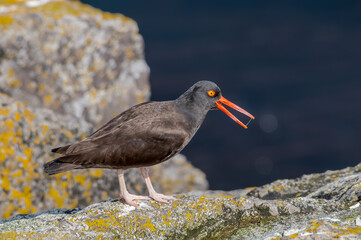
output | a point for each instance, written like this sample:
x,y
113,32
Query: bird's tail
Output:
x,y
57,166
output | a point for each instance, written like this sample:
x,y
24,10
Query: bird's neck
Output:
x,y
194,110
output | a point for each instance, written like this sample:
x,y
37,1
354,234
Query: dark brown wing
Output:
x,y
87,145
122,118
136,151
132,140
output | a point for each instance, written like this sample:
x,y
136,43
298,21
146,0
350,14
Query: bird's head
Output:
x,y
208,95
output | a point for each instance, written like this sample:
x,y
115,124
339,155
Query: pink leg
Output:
x,y
152,193
128,198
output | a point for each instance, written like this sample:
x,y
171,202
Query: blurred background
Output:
x,y
295,65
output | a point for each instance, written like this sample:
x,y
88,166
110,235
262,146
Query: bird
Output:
x,y
144,135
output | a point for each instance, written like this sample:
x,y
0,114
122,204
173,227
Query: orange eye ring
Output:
x,y
211,93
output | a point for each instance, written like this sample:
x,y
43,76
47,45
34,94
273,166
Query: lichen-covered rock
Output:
x,y
203,215
84,66
26,136
198,216
328,185
71,58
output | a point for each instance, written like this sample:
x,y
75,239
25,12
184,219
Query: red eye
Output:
x,y
211,93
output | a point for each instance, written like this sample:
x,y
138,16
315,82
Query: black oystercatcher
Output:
x,y
144,135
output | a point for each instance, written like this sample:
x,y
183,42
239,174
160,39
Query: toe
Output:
x,y
161,198
129,199
140,197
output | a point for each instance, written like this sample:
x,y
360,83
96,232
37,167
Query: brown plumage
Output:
x,y
128,141
144,135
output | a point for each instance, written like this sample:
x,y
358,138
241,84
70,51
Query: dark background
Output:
x,y
295,65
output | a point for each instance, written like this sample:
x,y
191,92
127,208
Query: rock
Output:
x,y
358,221
198,216
208,215
75,67
72,58
26,136
328,185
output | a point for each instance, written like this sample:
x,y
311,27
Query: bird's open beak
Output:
x,y
234,106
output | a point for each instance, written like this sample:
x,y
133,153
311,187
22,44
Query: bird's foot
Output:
x,y
161,198
129,199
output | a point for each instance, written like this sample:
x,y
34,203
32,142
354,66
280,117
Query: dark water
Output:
x,y
296,66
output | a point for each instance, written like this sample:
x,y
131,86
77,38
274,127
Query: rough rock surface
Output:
x,y
26,136
213,214
336,185
71,58
75,67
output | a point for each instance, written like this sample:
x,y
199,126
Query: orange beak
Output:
x,y
234,106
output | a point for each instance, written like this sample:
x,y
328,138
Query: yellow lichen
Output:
x,y
8,210
37,139
45,129
96,173
54,194
31,85
224,196
28,152
314,225
60,8
129,53
149,225
11,73
15,194
93,94
44,74
4,111
5,184
68,134
41,88
293,236
17,173
80,179
102,104
14,83
6,20
17,116
29,116
48,99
